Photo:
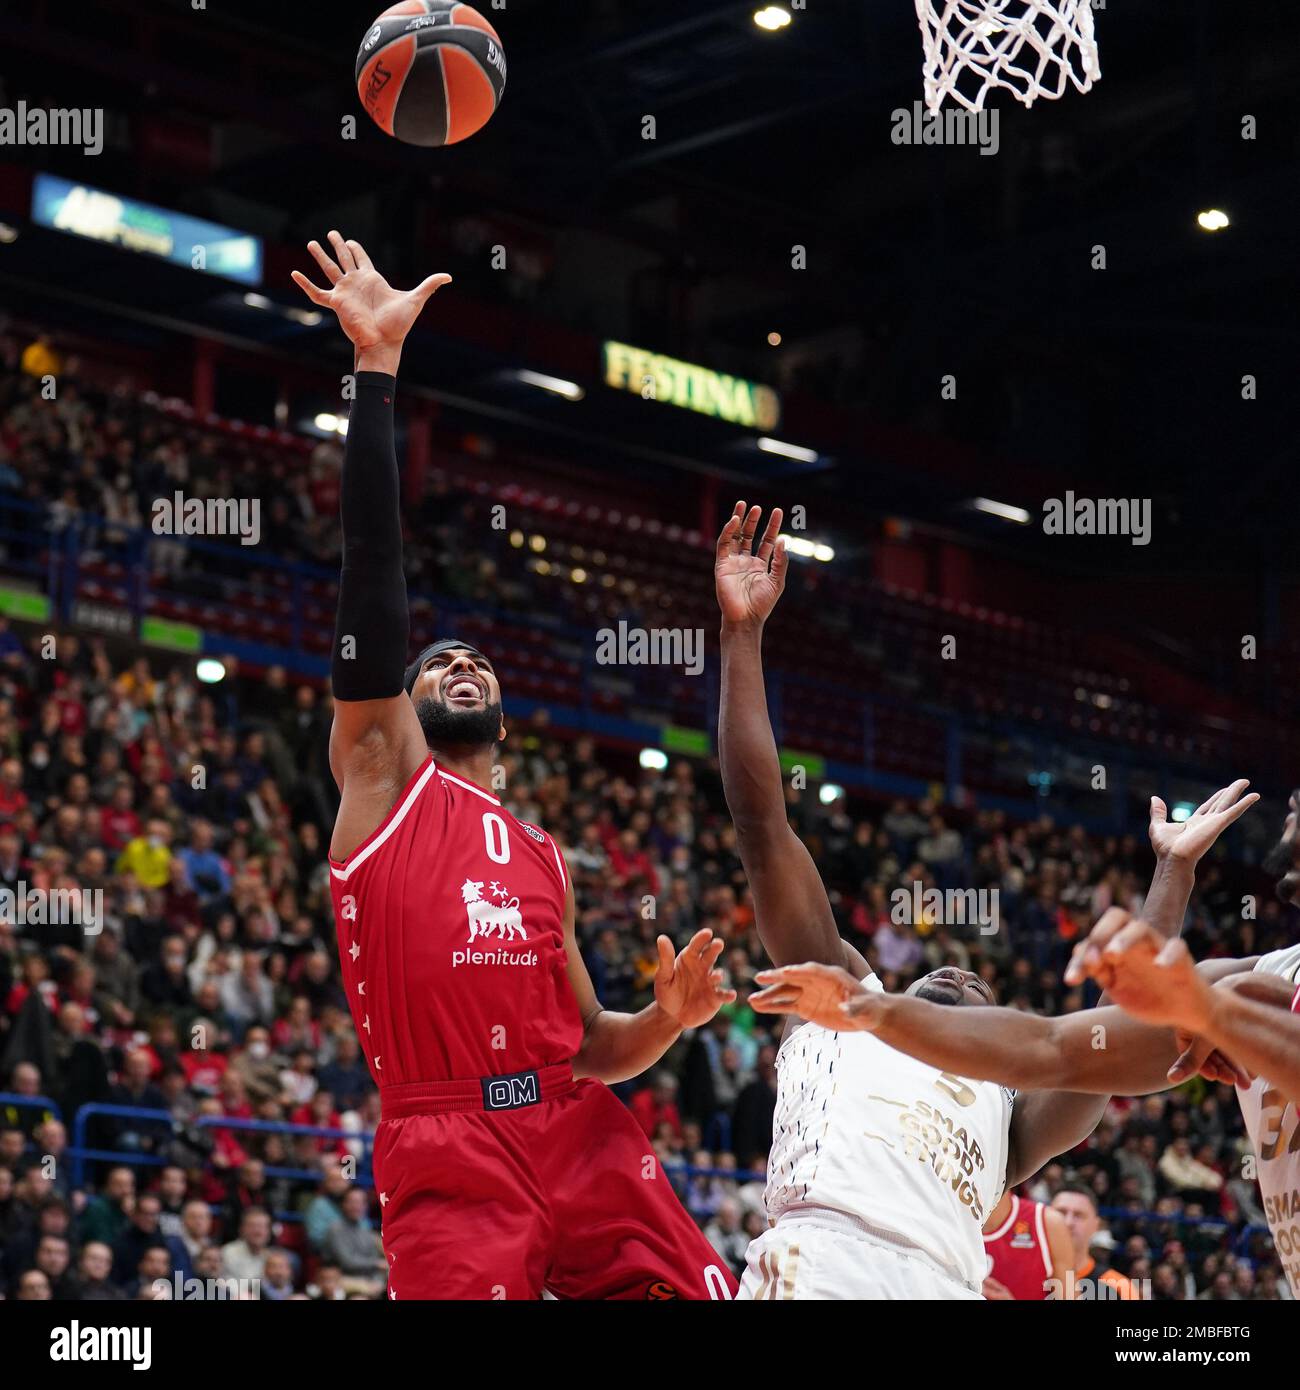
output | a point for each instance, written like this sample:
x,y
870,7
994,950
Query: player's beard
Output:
x,y
445,727
1280,862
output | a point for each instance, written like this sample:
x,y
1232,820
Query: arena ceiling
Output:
x,y
921,262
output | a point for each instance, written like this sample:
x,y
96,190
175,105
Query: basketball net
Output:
x,y
1031,47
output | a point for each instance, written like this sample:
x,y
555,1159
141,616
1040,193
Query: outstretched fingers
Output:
x,y
772,531
326,262
343,252
728,536
1087,954
316,295
430,286
749,530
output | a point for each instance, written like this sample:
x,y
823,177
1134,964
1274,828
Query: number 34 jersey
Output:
x,y
450,921
915,1153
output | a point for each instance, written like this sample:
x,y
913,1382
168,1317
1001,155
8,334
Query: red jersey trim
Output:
x,y
343,870
1295,1001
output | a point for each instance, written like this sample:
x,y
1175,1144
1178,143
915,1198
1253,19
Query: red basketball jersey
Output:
x,y
450,920
1018,1254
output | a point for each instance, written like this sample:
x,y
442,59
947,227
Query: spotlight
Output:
x,y
553,385
1001,509
788,451
772,18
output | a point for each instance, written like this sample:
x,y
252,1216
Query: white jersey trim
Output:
x,y
344,872
1040,1220
559,864
1003,1228
469,787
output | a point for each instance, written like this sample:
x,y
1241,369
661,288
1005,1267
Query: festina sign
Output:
x,y
654,377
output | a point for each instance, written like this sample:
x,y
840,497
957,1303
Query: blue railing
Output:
x,y
160,1121
679,1175
226,596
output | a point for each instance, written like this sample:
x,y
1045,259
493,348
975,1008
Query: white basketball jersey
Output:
x,y
1274,1129
863,1129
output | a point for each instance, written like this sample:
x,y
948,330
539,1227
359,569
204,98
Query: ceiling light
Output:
x,y
789,451
772,18
1002,509
555,385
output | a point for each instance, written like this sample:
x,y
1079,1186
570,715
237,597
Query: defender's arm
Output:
x,y
792,912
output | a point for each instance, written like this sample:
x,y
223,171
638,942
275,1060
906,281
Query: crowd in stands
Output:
x,y
206,985
210,988
85,443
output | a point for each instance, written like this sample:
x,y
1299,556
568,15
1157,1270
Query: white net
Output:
x,y
1031,47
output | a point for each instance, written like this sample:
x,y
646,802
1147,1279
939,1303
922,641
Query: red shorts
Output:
x,y
564,1195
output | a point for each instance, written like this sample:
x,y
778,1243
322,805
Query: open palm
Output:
x,y
689,987
370,311
748,584
1189,839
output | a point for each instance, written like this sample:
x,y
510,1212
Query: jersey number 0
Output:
x,y
495,838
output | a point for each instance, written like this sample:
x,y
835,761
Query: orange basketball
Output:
x,y
431,72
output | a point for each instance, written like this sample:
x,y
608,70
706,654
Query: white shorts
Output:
x,y
827,1255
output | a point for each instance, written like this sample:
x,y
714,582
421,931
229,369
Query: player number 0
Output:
x,y
495,838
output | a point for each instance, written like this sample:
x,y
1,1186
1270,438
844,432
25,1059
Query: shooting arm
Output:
x,y
376,743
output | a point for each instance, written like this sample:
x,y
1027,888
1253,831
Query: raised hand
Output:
x,y
374,315
748,584
688,988
1188,840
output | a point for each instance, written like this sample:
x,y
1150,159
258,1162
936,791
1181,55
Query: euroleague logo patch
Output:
x,y
536,834
373,39
660,1290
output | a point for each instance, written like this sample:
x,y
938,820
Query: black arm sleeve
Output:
x,y
373,624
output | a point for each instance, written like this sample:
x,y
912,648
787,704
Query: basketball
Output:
x,y
431,72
